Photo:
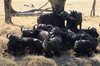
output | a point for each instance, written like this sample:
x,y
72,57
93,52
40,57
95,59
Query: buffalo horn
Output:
x,y
8,35
22,28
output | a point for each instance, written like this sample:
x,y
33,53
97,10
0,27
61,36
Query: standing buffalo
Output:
x,y
73,23
51,19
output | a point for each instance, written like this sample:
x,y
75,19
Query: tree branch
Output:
x,y
30,12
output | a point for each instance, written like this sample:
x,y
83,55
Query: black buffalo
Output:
x,y
35,33
20,46
73,23
43,27
51,19
83,47
92,31
52,46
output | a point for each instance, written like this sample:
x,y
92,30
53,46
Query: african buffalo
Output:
x,y
52,46
20,46
83,47
35,33
92,31
73,23
51,19
43,27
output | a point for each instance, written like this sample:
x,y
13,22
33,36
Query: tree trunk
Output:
x,y
92,13
57,5
8,8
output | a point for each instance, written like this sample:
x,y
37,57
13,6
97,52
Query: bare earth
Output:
x,y
67,59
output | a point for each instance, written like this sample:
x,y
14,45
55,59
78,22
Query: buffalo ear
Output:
x,y
8,35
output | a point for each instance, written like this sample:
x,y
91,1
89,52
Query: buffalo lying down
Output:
x,y
83,47
52,46
52,41
79,41
20,46
35,33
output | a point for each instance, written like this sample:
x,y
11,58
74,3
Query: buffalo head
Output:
x,y
93,32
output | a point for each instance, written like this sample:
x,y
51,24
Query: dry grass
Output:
x,y
65,60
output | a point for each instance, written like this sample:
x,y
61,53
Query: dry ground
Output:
x,y
83,6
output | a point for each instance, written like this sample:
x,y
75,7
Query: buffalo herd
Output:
x,y
51,37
